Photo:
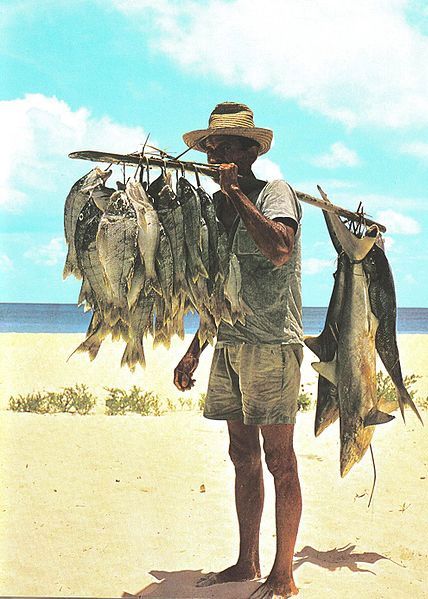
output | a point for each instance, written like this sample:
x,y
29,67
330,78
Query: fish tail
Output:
x,y
152,284
404,399
133,354
200,271
91,345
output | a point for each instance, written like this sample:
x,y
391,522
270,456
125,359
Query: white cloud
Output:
x,y
355,62
339,155
6,264
267,170
313,266
389,242
38,132
49,254
398,223
419,149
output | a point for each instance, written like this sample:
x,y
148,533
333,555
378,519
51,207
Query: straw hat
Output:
x,y
230,118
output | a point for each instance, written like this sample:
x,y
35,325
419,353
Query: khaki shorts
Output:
x,y
257,384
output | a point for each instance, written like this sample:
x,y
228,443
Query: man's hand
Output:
x,y
228,178
183,372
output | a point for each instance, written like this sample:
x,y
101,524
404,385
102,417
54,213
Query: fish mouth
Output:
x,y
353,448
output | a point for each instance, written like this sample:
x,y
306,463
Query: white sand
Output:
x,y
99,505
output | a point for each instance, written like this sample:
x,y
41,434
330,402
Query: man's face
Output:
x,y
228,148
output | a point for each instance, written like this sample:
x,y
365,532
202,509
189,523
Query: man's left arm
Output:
x,y
273,237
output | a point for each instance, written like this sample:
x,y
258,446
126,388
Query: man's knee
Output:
x,y
244,455
281,464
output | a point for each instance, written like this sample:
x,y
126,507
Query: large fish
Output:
x,y
148,232
117,247
353,370
191,207
140,323
165,271
383,305
325,348
209,215
78,196
171,217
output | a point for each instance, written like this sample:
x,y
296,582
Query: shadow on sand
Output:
x,y
339,557
181,584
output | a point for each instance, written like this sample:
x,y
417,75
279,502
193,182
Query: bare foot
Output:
x,y
275,590
235,573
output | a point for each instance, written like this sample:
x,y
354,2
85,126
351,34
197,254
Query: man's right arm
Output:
x,y
189,362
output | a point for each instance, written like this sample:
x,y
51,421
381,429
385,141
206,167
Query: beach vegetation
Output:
x,y
386,391
201,401
304,401
73,400
135,400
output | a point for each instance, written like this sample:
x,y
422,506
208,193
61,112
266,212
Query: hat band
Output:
x,y
222,121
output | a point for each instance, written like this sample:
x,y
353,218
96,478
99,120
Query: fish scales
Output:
x,y
148,232
209,215
76,199
140,322
117,246
171,217
190,204
165,272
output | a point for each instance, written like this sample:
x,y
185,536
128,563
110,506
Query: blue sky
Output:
x,y
342,84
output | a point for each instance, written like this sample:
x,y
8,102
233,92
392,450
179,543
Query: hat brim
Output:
x,y
195,139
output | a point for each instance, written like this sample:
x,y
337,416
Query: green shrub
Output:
x,y
74,400
386,389
304,401
121,401
33,402
201,401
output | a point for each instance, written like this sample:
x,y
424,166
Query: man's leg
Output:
x,y
281,461
244,451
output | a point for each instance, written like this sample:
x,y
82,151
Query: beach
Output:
x,y
110,506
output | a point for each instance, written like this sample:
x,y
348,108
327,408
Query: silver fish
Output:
x,y
191,208
148,232
171,217
117,247
77,197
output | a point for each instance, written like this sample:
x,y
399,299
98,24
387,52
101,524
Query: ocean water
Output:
x,y
67,318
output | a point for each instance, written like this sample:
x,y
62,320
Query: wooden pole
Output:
x,y
210,170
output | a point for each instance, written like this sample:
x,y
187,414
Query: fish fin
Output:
x,y
404,399
314,344
71,268
375,416
327,369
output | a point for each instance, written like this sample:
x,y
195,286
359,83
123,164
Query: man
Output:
x,y
255,373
